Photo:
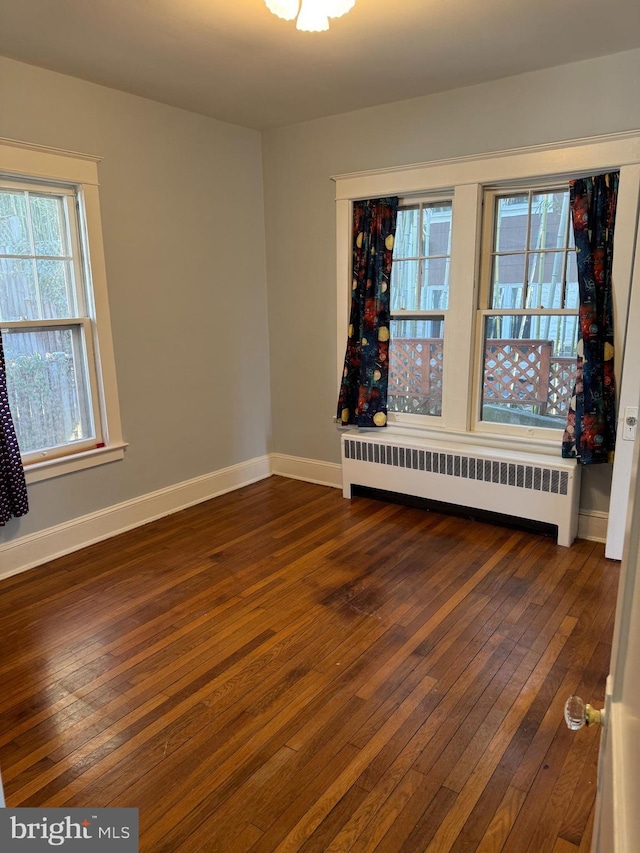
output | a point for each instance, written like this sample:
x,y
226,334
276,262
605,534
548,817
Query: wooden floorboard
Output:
x,y
280,669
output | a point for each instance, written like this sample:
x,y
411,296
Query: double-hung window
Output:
x,y
528,317
47,329
54,312
419,303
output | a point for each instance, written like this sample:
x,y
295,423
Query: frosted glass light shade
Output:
x,y
313,17
287,9
337,8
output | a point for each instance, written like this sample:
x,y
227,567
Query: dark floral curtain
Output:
x,y
363,392
13,489
590,433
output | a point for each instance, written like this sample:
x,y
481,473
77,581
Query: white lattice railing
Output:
x,y
516,371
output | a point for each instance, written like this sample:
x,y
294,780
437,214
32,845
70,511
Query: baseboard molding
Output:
x,y
38,548
311,470
33,550
592,525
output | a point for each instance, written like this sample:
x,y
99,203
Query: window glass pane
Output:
x,y
406,243
14,229
54,278
572,296
508,274
18,290
436,229
35,290
529,368
415,366
48,387
544,289
508,296
404,281
434,290
511,223
549,218
48,225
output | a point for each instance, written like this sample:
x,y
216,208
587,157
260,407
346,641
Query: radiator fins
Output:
x,y
458,465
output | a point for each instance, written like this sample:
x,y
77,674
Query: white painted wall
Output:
x,y
184,229
182,212
582,99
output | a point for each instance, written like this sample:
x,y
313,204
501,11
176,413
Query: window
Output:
x,y
47,330
528,303
484,287
528,308
60,374
419,302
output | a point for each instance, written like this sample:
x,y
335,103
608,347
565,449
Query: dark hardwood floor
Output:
x,y
280,669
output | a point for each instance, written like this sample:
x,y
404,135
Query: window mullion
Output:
x,y
527,312
459,322
9,257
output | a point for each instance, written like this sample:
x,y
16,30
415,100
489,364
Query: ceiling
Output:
x,y
235,61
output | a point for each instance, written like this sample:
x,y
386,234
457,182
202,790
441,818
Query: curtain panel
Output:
x,y
13,488
363,391
590,433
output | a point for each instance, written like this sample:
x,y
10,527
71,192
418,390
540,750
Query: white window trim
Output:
x,y
469,177
24,160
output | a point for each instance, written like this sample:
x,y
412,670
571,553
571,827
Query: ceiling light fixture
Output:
x,y
312,15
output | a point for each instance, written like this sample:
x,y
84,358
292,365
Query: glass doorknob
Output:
x,y
577,714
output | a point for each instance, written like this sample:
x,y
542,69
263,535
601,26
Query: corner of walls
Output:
x,y
310,470
32,550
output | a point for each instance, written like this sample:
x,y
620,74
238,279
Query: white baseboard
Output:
x,y
311,470
33,550
38,548
592,525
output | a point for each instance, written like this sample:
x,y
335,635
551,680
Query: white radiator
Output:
x,y
523,485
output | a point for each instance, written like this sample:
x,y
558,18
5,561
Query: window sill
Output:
x,y
37,471
524,444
